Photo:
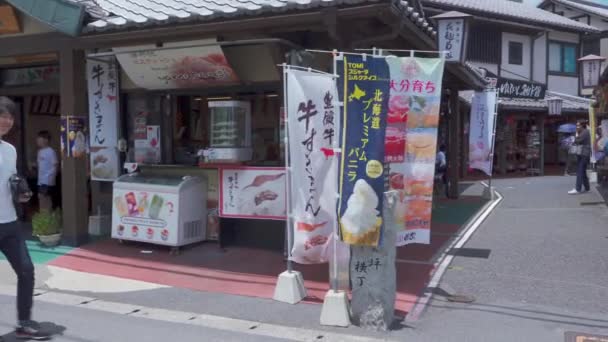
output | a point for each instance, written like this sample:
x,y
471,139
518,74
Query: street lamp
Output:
x,y
452,35
554,105
591,69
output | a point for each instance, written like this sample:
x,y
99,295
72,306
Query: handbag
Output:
x,y
576,150
20,190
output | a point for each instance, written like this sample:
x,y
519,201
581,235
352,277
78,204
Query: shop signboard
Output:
x,y
177,65
451,38
415,99
515,89
104,92
312,110
73,137
20,77
145,216
481,133
253,192
362,181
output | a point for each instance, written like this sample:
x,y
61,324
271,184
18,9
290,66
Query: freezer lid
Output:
x,y
150,180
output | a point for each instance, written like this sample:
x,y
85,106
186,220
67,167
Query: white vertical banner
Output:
x,y
312,117
481,131
104,95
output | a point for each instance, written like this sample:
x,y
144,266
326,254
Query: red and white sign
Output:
x,y
179,67
253,192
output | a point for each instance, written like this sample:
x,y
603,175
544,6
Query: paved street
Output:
x,y
536,267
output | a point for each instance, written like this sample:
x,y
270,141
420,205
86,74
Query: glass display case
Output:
x,y
230,131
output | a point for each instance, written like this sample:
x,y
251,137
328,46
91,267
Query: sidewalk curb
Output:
x,y
443,262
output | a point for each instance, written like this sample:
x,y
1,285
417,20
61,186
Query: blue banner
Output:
x,y
364,87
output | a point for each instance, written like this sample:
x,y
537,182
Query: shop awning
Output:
x,y
571,104
63,15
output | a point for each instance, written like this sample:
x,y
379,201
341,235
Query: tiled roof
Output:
x,y
121,14
570,103
510,10
588,8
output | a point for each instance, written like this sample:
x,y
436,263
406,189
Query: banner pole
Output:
x,y
288,225
493,142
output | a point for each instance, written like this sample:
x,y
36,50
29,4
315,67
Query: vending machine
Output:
x,y
160,210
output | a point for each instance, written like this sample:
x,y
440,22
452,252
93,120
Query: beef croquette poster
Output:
x,y
411,142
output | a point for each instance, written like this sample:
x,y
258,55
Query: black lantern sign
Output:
x,y
591,69
452,35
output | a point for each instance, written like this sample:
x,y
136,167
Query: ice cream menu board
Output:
x,y
145,216
365,99
413,118
253,192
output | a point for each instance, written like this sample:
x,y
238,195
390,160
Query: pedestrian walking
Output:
x,y
582,148
12,242
441,167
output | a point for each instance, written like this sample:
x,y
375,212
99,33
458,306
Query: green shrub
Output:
x,y
46,223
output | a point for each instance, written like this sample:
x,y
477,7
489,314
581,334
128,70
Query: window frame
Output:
x,y
521,52
562,45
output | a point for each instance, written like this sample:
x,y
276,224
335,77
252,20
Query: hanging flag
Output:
x,y
313,130
365,83
481,131
413,116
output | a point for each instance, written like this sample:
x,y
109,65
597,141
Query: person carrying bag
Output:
x,y
582,149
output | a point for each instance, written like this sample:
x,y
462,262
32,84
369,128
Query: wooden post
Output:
x,y
74,170
454,143
541,129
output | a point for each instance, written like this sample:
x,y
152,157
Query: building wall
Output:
x,y
522,71
563,84
540,59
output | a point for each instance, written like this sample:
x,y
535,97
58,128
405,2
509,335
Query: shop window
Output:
x,y
563,58
516,51
484,44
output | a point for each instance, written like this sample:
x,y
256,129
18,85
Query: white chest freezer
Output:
x,y
161,210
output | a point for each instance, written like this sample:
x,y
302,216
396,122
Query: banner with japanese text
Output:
x,y
365,87
481,130
413,119
104,95
312,131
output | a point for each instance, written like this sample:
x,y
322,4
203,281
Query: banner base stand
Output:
x,y
488,193
335,309
290,288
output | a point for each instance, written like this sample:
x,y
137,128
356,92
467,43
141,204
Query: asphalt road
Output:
x,y
537,267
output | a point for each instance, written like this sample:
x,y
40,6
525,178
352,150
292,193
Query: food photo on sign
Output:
x,y
362,182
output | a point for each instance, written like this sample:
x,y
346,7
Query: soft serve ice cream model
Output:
x,y
361,221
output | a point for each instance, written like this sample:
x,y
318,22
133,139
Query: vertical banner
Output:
x,y
104,93
365,82
73,137
415,99
312,130
481,131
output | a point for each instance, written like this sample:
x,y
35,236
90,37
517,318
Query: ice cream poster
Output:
x,y
312,100
411,139
189,66
253,192
481,131
365,100
74,142
144,216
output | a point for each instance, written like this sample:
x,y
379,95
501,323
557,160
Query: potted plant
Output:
x,y
47,227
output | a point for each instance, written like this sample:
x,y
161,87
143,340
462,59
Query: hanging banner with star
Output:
x,y
364,83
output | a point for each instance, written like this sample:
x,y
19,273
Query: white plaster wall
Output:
x,y
563,84
540,59
564,37
516,71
